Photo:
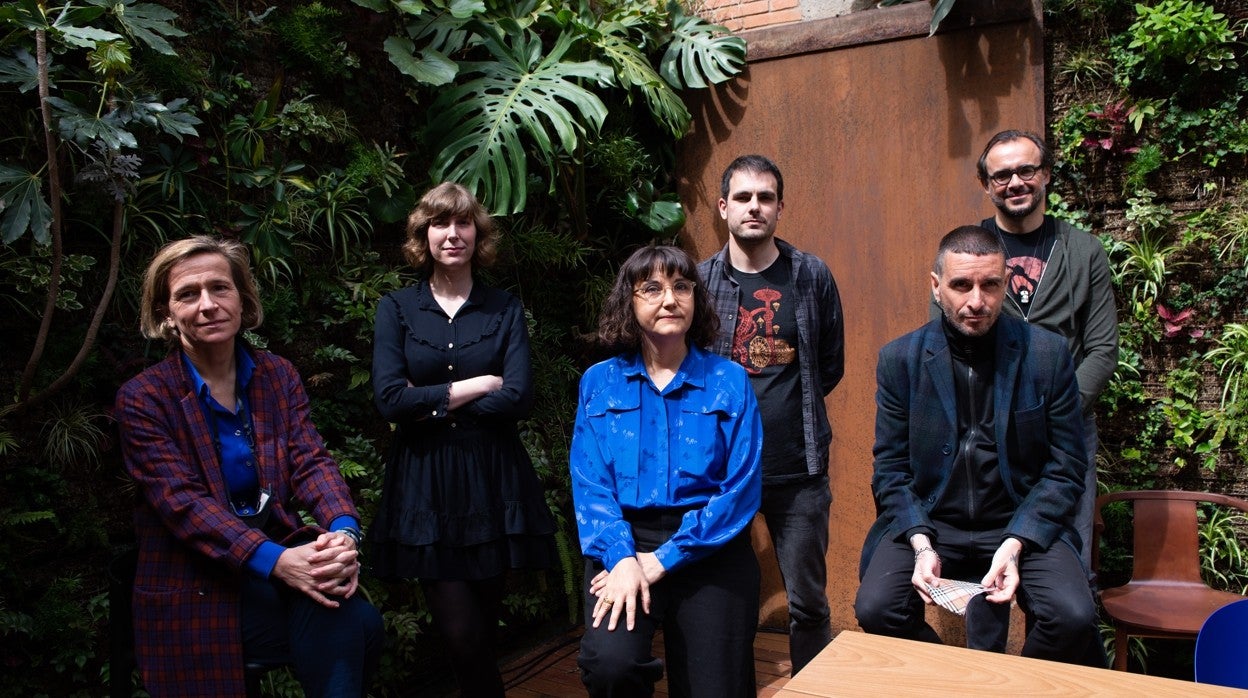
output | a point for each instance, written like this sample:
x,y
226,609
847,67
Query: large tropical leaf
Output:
x,y
145,22
633,70
174,118
438,32
700,54
427,65
83,127
521,99
22,206
22,69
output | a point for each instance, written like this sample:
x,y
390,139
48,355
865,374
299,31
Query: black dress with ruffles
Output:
x,y
461,500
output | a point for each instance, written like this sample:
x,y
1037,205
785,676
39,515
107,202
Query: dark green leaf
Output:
x,y
663,216
173,119
634,70
148,23
22,206
25,14
429,66
20,69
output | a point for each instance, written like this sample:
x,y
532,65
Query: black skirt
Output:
x,y
461,501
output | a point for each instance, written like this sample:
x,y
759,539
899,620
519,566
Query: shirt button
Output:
x,y
238,432
449,320
450,367
450,345
453,424
434,413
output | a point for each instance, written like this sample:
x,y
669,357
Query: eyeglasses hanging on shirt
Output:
x,y
248,498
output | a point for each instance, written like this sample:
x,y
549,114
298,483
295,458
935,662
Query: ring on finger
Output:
x,y
608,601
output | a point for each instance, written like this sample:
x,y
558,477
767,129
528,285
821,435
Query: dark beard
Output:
x,y
1037,197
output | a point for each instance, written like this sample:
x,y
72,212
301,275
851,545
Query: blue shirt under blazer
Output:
x,y
193,549
1039,432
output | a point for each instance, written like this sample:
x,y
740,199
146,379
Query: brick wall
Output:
x,y
740,15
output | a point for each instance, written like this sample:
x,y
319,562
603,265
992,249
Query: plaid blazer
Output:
x,y
1038,422
192,547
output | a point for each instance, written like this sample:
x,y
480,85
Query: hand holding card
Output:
x,y
954,594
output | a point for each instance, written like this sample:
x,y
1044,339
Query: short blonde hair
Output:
x,y
448,200
154,306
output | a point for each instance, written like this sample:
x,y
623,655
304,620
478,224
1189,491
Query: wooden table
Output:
x,y
857,664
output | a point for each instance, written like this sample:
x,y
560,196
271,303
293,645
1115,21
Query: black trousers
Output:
x,y
708,611
1054,594
797,519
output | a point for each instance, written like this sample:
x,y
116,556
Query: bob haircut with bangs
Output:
x,y
618,329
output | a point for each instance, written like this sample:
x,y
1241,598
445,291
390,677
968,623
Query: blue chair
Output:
x,y
1222,647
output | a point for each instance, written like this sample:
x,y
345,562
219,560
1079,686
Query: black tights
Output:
x,y
466,613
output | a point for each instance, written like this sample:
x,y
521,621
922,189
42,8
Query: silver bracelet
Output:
x,y
352,533
928,549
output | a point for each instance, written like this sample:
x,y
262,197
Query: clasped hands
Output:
x,y
1001,581
329,565
625,588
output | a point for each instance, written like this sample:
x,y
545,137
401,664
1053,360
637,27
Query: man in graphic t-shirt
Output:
x,y
1057,278
780,317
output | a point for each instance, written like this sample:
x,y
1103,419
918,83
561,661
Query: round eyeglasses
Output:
x,y
1026,173
653,291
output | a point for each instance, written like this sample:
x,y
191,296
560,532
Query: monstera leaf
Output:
x,y
700,53
633,70
519,100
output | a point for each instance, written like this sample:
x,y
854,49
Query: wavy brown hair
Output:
x,y
449,200
154,306
618,330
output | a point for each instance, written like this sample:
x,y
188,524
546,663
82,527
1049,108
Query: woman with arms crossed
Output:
x,y
665,481
461,503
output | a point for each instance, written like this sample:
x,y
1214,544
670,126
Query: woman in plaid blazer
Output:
x,y
225,458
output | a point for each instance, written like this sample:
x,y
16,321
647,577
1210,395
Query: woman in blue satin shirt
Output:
x,y
665,481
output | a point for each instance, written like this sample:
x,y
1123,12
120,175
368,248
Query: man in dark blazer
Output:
x,y
979,461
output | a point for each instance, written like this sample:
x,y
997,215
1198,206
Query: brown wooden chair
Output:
x,y
1166,597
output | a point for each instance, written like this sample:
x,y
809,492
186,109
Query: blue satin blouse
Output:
x,y
695,444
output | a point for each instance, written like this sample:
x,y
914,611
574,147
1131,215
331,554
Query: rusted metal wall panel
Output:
x,y
876,128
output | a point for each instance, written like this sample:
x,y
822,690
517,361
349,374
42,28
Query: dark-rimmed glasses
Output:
x,y
1025,173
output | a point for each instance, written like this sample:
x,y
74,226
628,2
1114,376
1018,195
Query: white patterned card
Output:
x,y
953,594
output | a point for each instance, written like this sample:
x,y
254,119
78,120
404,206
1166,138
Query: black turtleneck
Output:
x,y
975,498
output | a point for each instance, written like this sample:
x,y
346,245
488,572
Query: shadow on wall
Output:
x,y
980,81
